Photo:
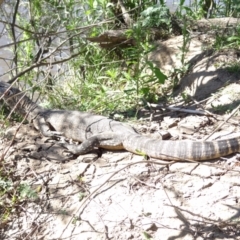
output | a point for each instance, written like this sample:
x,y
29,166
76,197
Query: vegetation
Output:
x,y
56,49
92,56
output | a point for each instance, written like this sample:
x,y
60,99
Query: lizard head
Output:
x,y
12,96
16,99
7,91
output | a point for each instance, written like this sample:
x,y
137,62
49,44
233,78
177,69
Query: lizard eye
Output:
x,y
4,87
8,93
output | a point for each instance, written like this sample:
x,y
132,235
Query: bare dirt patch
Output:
x,y
120,195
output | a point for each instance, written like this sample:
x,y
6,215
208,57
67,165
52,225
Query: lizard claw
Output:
x,y
71,148
66,150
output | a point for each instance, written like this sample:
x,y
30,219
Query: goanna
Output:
x,y
95,131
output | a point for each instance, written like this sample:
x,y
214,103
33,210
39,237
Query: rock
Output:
x,y
207,171
183,167
148,224
171,122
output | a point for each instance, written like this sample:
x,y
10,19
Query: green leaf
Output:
x,y
158,73
233,38
26,191
161,77
182,2
147,236
145,90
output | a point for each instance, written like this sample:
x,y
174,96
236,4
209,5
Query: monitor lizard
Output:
x,y
95,131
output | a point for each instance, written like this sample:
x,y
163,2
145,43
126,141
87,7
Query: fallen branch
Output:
x,y
127,19
219,126
179,109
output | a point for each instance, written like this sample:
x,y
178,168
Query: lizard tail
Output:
x,y
181,150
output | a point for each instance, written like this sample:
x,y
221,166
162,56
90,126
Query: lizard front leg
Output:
x,y
110,140
41,125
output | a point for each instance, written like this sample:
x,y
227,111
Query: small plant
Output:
x,y
82,195
186,98
147,236
156,16
26,192
234,67
230,39
221,108
11,197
